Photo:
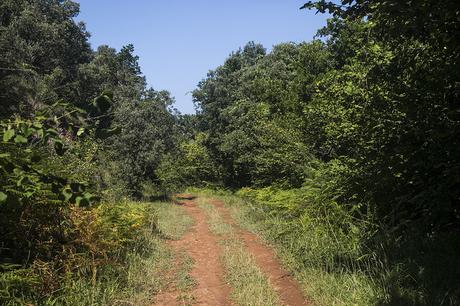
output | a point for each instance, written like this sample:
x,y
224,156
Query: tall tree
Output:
x,y
252,107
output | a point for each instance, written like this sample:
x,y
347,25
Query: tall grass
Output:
x,y
341,259
326,260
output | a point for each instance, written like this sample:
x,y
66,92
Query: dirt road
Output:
x,y
208,272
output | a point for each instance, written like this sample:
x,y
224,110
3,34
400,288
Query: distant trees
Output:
x,y
148,133
251,107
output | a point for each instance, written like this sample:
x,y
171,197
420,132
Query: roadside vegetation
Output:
x,y
106,263
325,261
323,248
78,219
345,151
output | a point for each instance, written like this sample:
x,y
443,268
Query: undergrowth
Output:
x,y
343,260
125,260
324,257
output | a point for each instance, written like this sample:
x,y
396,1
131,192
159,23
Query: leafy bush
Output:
x,y
331,245
97,244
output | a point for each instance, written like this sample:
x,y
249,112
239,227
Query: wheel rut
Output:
x,y
208,272
287,287
201,245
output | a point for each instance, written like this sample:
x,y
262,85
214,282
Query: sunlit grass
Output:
x,y
171,221
147,267
322,284
216,224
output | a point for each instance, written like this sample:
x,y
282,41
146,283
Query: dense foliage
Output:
x,y
79,130
365,122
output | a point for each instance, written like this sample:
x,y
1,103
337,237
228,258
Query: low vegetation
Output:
x,y
324,249
120,241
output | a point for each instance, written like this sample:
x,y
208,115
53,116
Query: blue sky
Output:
x,y
179,41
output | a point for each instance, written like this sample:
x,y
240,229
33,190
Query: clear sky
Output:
x,y
179,41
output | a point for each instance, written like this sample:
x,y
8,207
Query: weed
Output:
x,y
320,256
171,221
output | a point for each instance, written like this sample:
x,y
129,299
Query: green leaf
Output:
x,y
80,131
52,132
59,147
20,139
28,131
67,193
81,201
3,197
80,111
8,135
40,133
24,180
91,197
108,93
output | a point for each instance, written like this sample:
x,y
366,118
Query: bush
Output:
x,y
93,246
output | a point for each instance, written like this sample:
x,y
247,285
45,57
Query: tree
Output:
x,y
42,48
391,106
252,110
148,132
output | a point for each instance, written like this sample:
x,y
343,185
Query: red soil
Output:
x,y
208,272
287,288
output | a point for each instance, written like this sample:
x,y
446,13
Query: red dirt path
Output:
x,y
287,288
208,272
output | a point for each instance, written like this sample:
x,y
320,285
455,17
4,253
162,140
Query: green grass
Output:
x,y
215,222
171,221
343,260
183,282
308,254
149,276
250,287
144,277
